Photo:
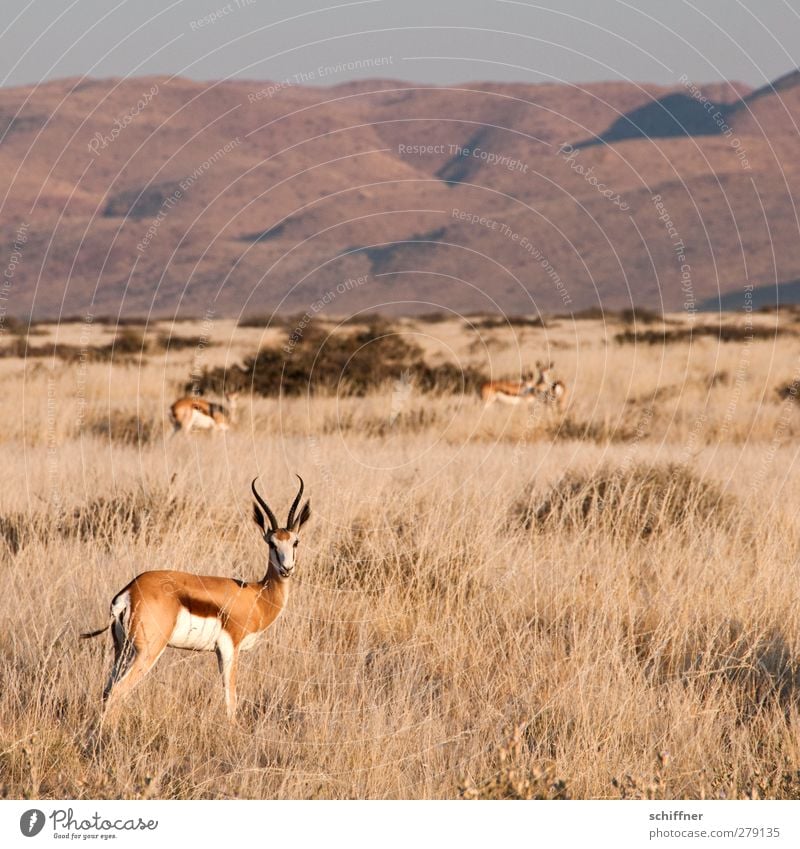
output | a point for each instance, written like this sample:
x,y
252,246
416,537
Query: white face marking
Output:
x,y
282,553
200,633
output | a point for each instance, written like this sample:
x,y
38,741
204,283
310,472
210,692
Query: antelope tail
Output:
x,y
89,634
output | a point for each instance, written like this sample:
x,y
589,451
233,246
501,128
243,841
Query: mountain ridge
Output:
x,y
253,196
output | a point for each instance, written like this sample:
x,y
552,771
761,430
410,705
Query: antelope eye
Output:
x,y
296,543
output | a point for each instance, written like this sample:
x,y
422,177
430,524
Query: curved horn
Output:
x,y
270,515
290,520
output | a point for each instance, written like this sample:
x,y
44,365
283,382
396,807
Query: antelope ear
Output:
x,y
258,517
305,515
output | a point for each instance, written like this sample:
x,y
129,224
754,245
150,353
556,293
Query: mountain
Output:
x,y
165,196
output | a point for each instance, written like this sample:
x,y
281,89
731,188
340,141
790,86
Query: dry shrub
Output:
x,y
640,315
18,530
103,519
14,326
757,668
20,347
499,321
347,362
722,333
129,345
643,501
154,513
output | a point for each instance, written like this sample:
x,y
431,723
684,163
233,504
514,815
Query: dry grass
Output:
x,y
501,603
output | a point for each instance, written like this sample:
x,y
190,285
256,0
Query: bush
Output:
x,y
346,362
155,512
498,321
724,333
640,315
641,502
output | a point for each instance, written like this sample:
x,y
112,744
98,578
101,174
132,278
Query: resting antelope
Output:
x,y
192,413
509,391
185,611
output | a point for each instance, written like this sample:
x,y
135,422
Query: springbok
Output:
x,y
193,413
548,390
166,608
509,391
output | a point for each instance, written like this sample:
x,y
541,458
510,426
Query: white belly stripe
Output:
x,y
195,632
200,421
510,399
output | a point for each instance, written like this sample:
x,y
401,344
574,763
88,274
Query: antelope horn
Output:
x,y
270,515
290,520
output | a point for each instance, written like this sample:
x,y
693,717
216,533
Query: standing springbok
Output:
x,y
185,611
193,413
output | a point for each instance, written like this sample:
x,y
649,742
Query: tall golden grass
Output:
x,y
489,603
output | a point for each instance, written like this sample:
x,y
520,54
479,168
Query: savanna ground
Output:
x,y
511,602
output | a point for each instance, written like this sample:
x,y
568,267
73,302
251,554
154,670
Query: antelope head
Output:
x,y
282,541
545,372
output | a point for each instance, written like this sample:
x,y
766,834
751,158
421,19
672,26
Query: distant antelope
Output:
x,y
545,379
509,391
548,390
186,611
192,413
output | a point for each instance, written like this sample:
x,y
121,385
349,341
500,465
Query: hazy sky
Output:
x,y
439,41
